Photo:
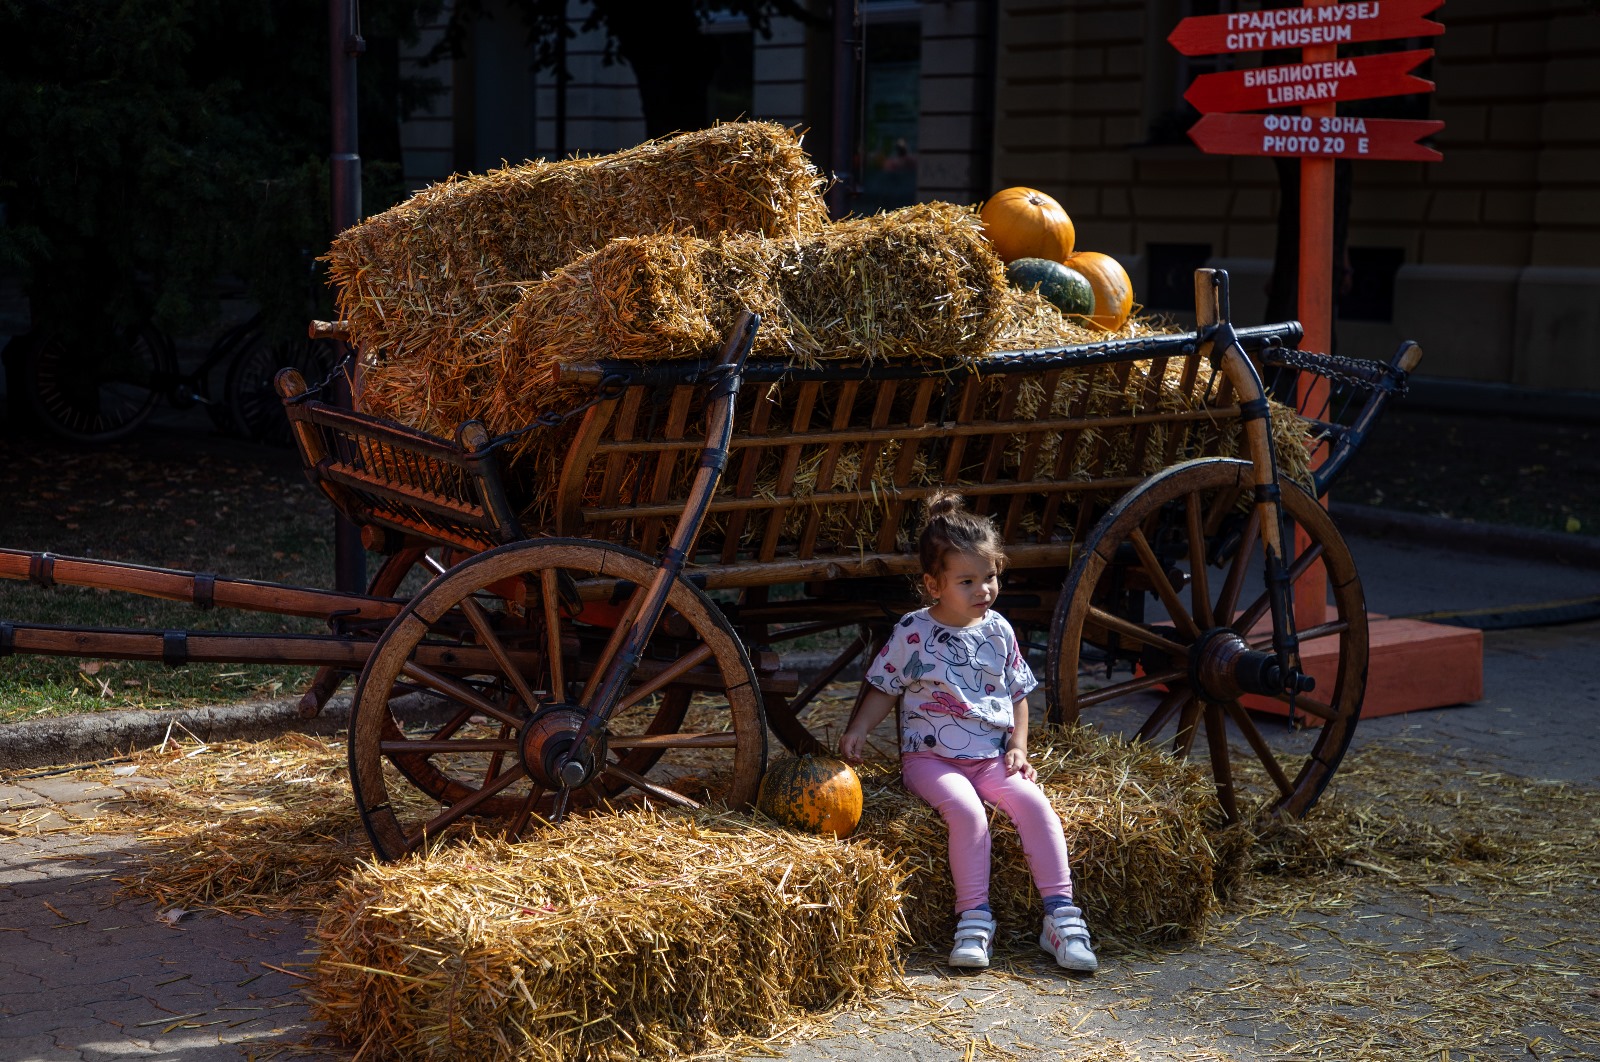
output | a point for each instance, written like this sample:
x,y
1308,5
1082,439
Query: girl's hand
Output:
x,y
874,708
1017,760
852,746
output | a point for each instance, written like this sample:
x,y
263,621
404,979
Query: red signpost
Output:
x,y
1361,78
1317,136
1305,27
1303,136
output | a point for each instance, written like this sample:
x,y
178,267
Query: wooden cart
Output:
x,y
612,635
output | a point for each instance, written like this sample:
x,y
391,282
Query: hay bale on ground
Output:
x,y
1143,864
610,936
426,284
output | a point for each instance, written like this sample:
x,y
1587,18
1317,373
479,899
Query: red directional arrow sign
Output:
x,y
1304,136
1363,78
1303,27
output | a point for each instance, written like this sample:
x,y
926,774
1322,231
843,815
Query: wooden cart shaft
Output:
x,y
200,589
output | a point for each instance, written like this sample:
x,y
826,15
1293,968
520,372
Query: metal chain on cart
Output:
x,y
340,367
610,387
1362,373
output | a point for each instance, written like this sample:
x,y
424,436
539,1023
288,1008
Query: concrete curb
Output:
x,y
1581,551
91,736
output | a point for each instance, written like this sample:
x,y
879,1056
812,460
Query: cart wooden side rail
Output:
x,y
1154,548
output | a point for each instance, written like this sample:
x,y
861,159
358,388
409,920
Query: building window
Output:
x,y
1372,273
1171,115
892,104
1170,282
731,94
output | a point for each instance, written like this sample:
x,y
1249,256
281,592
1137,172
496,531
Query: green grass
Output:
x,y
170,499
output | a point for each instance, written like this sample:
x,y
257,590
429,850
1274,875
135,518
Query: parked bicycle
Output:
x,y
95,397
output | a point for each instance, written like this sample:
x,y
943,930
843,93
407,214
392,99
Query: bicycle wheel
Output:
x,y
233,344
94,397
256,409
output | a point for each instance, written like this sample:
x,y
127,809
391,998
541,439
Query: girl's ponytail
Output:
x,y
948,526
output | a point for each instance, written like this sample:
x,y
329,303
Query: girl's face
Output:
x,y
964,590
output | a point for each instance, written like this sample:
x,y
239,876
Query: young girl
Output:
x,y
964,732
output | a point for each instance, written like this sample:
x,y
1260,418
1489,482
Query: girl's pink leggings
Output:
x,y
957,789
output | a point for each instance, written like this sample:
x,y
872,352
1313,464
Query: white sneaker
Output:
x,y
974,940
1067,938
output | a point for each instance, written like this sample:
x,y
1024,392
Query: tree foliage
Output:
x,y
148,147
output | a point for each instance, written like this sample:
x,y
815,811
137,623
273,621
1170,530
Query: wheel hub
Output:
x,y
1223,667
550,748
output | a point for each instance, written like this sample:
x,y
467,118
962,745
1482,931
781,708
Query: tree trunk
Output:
x,y
672,60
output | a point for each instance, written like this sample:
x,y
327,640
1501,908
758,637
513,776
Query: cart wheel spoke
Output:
x,y
638,781
1303,702
1258,744
1180,682
444,746
614,643
1139,635
490,641
1309,634
1237,566
524,815
1188,721
550,599
1163,586
1221,765
454,723
461,807
666,675
1123,689
1178,698
1199,580
1258,608
725,739
458,691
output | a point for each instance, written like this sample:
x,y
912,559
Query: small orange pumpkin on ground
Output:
x,y
1024,223
817,794
1113,291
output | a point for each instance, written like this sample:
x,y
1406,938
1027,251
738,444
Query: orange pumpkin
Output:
x,y
817,794
1023,223
1113,291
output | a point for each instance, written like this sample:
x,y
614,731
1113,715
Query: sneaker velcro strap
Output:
x,y
969,926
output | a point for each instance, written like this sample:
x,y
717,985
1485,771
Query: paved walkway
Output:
x,y
87,976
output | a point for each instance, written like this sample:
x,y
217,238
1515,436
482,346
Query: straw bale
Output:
x,y
1143,863
611,936
920,282
427,284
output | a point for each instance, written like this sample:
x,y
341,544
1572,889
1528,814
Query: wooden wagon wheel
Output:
x,y
1184,544
531,629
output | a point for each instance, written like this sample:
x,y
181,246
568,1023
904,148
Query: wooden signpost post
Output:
x,y
1413,665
